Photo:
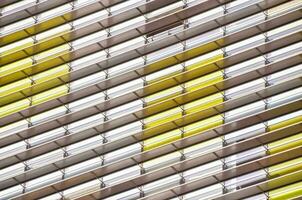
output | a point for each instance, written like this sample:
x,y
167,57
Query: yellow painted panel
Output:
x,y
193,66
205,48
53,32
52,53
163,95
160,64
203,125
53,22
203,103
285,123
205,62
15,66
285,167
15,87
163,117
46,25
51,74
17,46
287,192
162,139
49,94
284,144
39,78
10,98
14,107
44,86
204,81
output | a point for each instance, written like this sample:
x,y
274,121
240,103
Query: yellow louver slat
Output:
x,y
52,53
27,47
203,125
14,107
163,117
292,191
44,26
163,95
13,71
15,67
284,144
57,31
285,167
51,74
204,81
35,84
203,103
17,46
39,78
198,65
49,94
137,99
188,108
285,123
205,62
162,139
36,99
14,87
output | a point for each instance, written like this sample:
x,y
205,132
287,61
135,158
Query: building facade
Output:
x,y
150,99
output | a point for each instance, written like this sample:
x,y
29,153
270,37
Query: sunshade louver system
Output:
x,y
150,99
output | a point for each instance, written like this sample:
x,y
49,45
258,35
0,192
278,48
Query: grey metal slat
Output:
x,y
264,186
76,13
128,34
202,182
73,75
264,26
7,2
35,130
118,59
61,185
260,50
263,93
222,176
61,164
82,31
29,11
231,82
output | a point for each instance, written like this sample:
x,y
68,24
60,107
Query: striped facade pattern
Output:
x,y
151,99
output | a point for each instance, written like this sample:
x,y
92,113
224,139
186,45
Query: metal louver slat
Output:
x,y
35,130
264,186
231,104
229,39
7,2
203,182
90,175
78,32
150,99
55,21
126,35
38,150
38,7
226,174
